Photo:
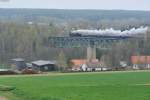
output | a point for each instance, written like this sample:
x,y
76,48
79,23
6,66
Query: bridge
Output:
x,y
91,43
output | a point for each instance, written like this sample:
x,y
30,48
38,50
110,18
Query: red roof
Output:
x,y
140,59
78,62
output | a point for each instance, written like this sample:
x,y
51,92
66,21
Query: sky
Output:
x,y
78,4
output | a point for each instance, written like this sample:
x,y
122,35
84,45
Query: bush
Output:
x,y
6,88
29,71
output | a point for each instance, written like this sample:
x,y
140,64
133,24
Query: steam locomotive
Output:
x,y
109,33
97,33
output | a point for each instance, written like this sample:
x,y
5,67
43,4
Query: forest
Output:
x,y
24,33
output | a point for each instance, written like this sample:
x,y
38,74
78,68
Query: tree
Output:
x,y
62,61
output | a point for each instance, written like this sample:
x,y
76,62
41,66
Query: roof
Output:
x,y
18,59
43,62
140,59
78,62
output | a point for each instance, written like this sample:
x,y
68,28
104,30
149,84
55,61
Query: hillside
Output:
x,y
65,15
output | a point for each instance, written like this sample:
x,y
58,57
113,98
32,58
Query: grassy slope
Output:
x,y
107,86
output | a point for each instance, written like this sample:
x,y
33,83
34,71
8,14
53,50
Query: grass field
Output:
x,y
84,86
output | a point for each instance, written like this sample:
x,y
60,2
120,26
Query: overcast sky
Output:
x,y
78,4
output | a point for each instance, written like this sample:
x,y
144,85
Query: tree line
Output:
x,y
30,41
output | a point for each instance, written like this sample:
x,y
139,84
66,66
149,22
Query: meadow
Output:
x,y
80,86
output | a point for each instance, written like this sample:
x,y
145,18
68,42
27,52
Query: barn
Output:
x,y
44,66
18,64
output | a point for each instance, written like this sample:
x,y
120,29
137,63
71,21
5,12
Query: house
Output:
x,y
77,64
44,66
18,64
96,66
124,66
84,65
140,62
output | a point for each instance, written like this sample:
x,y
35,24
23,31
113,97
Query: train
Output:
x,y
109,33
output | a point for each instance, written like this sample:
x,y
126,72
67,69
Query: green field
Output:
x,y
84,86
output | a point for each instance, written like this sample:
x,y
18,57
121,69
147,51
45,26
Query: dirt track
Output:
x,y
3,98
